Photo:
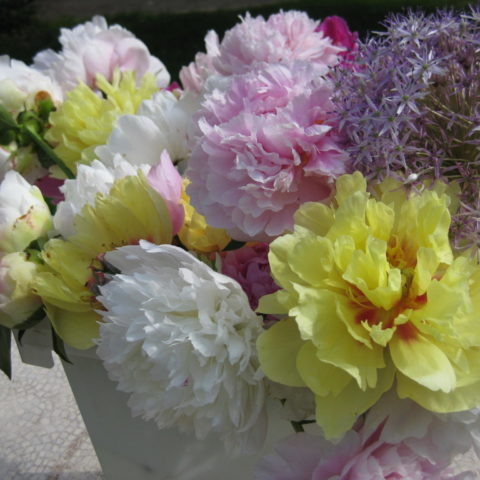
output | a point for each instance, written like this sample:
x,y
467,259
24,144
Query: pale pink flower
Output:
x,y
166,180
284,38
253,166
265,89
304,456
398,440
22,86
194,75
94,47
250,268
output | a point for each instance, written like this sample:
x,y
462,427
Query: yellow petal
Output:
x,y
312,260
320,377
381,218
337,413
318,320
422,361
274,303
277,351
77,329
458,400
347,185
316,217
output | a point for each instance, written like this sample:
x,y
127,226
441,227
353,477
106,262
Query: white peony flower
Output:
x,y
21,85
82,190
94,47
180,338
162,123
24,215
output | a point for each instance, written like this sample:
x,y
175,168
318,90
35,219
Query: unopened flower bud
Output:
x,y
17,300
24,215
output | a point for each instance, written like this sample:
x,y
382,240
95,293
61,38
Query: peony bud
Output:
x,y
166,180
17,301
24,215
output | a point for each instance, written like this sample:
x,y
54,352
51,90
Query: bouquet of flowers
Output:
x,y
297,222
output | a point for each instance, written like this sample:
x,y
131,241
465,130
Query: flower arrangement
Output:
x,y
298,222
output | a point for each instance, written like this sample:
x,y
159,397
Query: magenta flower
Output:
x,y
336,28
50,187
166,180
268,145
249,267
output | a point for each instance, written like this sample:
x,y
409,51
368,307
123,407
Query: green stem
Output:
x,y
6,119
45,147
297,426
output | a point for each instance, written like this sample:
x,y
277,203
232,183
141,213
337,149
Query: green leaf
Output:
x,y
21,333
234,245
59,347
5,351
32,320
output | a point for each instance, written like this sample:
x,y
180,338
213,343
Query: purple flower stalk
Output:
x,y
409,106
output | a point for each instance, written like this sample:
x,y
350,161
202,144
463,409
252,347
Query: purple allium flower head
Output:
x,y
410,104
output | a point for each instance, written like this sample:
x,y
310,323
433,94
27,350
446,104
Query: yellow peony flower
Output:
x,y
375,298
85,120
132,211
196,234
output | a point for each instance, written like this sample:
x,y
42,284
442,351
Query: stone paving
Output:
x,y
42,434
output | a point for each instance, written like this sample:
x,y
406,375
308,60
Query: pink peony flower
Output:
x,y
194,75
166,180
268,145
304,456
336,28
283,38
265,89
250,268
94,47
398,440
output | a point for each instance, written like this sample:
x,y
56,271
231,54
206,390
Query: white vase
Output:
x,y
131,448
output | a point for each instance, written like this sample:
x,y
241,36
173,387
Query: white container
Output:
x,y
131,448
